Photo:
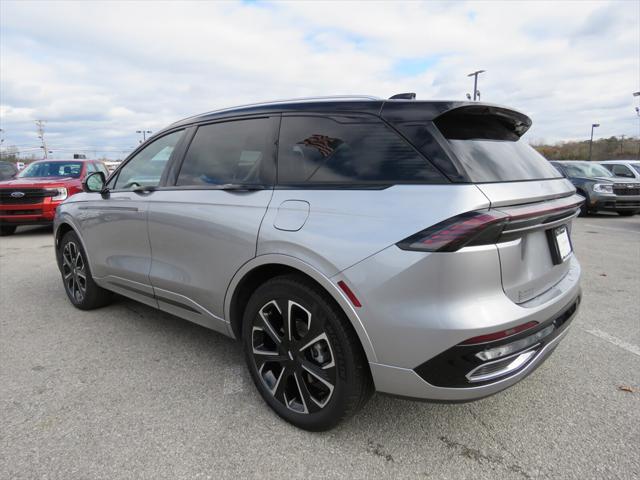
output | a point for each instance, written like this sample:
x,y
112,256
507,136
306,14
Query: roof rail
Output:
x,y
291,100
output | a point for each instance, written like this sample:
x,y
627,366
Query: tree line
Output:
x,y
612,148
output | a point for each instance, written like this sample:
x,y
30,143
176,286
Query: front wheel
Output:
x,y
82,291
303,355
626,213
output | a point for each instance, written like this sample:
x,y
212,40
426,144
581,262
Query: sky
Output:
x,y
96,72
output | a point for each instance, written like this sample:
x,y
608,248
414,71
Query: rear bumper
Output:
x,y
427,308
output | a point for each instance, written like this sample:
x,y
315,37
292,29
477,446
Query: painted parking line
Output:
x,y
629,347
611,228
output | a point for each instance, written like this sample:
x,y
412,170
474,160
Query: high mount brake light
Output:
x,y
470,228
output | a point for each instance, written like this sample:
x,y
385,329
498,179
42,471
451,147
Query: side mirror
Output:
x,y
94,182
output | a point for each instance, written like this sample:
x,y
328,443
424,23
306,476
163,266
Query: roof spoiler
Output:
x,y
482,122
403,96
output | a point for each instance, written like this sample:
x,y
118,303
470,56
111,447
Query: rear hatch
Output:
x,y
486,144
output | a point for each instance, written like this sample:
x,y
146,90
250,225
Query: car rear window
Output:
x,y
502,161
487,142
348,150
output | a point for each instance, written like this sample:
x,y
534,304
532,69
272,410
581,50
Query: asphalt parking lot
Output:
x,y
130,392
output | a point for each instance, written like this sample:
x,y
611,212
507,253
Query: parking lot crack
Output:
x,y
480,457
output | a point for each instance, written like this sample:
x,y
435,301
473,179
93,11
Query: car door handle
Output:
x,y
144,190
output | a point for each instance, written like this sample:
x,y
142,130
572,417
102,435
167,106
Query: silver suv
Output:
x,y
352,244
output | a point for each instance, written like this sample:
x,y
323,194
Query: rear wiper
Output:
x,y
239,187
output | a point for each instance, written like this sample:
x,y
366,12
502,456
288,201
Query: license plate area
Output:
x,y
559,244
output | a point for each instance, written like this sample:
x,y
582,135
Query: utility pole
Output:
x,y
594,125
144,134
637,94
476,93
621,144
40,130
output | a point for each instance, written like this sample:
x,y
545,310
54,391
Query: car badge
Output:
x,y
17,194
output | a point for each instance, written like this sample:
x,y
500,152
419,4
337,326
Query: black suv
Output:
x,y
602,190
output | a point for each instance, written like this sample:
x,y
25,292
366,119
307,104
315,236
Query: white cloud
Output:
x,y
99,71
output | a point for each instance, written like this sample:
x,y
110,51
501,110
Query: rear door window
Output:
x,y
347,150
235,152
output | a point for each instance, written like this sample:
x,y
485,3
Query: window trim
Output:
x,y
178,163
361,184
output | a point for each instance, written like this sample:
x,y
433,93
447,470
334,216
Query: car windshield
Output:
x,y
589,170
52,169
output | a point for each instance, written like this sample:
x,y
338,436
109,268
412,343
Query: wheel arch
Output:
x,y
61,229
265,267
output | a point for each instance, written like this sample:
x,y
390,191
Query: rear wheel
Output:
x,y
6,230
82,291
626,213
304,357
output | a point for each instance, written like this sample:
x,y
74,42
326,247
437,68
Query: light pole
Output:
x,y
475,74
144,134
637,94
594,125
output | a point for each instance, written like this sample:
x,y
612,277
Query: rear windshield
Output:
x,y
502,161
488,143
52,169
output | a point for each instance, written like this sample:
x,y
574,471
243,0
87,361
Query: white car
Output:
x,y
623,168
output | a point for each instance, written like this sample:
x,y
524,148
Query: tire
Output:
x,y
83,293
584,211
6,230
626,213
311,384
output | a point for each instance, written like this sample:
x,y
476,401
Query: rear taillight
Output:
x,y
470,228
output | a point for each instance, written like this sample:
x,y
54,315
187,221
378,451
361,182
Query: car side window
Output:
x,y
350,150
91,168
146,167
622,171
238,152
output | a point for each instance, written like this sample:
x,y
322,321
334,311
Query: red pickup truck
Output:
x,y
32,196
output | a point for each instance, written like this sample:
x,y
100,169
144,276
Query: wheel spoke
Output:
x,y
265,315
319,373
301,394
298,318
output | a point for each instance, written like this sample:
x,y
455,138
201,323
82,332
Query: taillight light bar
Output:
x,y
470,228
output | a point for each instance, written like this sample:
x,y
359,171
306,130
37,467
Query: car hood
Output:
x,y
36,182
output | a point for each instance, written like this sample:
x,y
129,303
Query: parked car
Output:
x,y
623,168
602,190
32,196
111,166
7,170
420,249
